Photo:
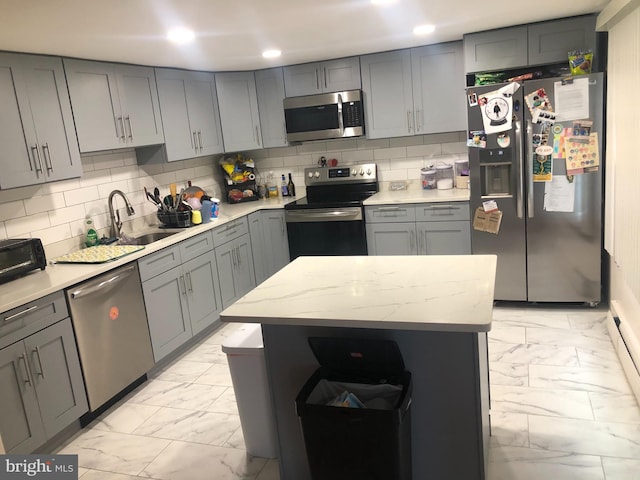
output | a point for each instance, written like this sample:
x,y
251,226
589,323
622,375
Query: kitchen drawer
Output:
x,y
22,321
230,231
442,212
195,246
159,262
389,213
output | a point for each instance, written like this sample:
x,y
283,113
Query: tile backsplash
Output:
x,y
55,212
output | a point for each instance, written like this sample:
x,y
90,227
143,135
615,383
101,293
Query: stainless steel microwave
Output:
x,y
324,116
19,256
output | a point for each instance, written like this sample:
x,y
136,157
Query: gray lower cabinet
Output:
x,y
41,387
528,45
114,105
181,292
419,229
37,132
234,259
269,242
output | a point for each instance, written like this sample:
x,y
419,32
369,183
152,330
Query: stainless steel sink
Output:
x,y
148,238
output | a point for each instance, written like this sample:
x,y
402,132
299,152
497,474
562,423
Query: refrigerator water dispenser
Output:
x,y
495,173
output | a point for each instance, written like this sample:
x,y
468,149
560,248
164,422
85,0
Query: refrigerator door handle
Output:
x,y
529,167
519,177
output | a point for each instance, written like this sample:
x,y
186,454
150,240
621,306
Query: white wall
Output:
x,y
55,212
621,18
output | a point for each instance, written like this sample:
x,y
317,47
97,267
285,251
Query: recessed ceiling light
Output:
x,y
424,29
181,35
383,2
271,53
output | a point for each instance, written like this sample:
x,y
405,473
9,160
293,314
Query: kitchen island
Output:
x,y
436,308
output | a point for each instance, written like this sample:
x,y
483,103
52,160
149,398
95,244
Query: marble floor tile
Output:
x,y
82,471
182,371
114,452
581,378
538,401
191,461
607,359
532,354
584,436
509,429
216,374
531,317
621,468
500,333
236,440
190,426
225,403
270,471
101,475
588,320
206,353
126,418
179,395
517,463
614,407
502,373
587,339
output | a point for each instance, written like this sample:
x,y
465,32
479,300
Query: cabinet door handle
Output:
x,y
200,140
190,285
36,158
48,164
423,242
16,316
27,375
282,226
128,118
37,352
184,288
317,80
233,257
257,135
194,141
239,257
324,70
388,209
418,121
123,137
412,242
409,120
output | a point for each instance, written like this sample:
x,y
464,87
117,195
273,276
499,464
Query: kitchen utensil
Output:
x,y
194,192
173,192
168,202
151,198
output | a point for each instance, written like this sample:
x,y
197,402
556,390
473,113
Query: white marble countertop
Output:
x,y
416,194
55,277
429,292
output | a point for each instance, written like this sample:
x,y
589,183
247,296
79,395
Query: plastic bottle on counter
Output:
x,y
272,188
284,189
91,235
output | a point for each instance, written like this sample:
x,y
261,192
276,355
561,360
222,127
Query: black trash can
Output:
x,y
372,442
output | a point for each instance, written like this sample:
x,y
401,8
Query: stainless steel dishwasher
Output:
x,y
111,328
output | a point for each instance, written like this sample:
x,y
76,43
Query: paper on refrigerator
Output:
x,y
571,99
559,195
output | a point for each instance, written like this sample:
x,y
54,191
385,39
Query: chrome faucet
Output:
x,y
116,224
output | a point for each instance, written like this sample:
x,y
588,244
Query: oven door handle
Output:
x,y
324,215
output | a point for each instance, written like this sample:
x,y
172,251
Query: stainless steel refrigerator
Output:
x,y
549,241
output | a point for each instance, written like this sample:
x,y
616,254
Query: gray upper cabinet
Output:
x,y
388,94
439,88
270,90
528,45
322,77
36,126
495,49
114,105
239,111
190,115
550,42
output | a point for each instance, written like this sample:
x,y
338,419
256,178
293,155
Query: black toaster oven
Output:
x,y
20,256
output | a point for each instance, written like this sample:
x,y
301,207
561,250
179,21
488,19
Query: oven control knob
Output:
x,y
354,172
368,171
361,171
316,174
310,174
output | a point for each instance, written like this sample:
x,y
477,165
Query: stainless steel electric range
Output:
x,y
330,219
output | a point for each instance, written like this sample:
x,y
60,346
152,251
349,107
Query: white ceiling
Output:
x,y
231,34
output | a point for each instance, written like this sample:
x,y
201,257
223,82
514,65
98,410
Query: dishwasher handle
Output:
x,y
113,280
